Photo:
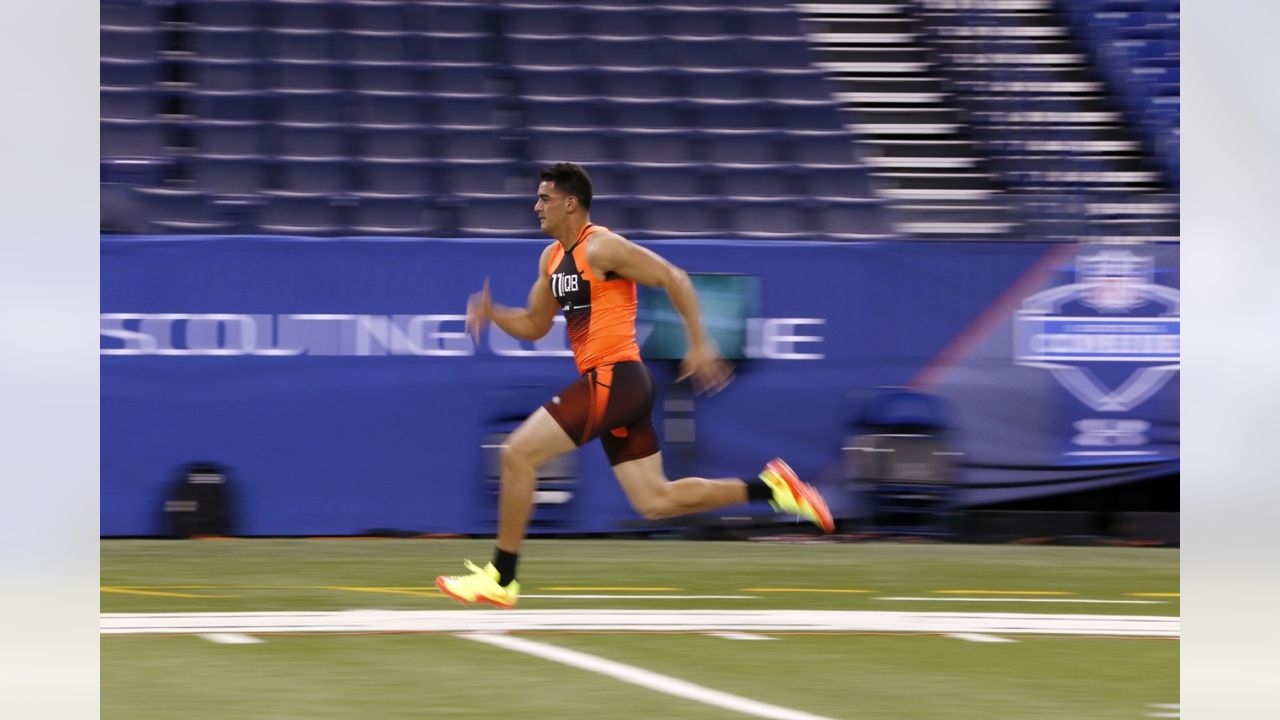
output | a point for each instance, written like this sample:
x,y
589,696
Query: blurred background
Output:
x,y
939,238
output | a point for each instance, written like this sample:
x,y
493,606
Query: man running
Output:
x,y
591,273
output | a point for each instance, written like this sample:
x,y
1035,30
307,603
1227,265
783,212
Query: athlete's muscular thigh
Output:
x,y
538,439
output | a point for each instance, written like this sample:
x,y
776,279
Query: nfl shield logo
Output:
x,y
1113,279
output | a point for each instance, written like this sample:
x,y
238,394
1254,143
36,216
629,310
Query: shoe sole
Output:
x,y
801,490
440,585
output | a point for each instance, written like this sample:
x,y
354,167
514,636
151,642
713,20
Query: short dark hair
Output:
x,y
570,179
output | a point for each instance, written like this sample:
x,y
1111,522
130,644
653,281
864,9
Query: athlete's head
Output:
x,y
564,193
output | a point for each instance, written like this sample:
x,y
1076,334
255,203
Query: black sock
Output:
x,y
757,490
505,562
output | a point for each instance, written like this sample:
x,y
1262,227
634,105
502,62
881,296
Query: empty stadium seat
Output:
x,y
696,22
228,138
132,138
768,218
565,112
820,148
732,114
626,52
127,14
388,107
718,84
302,14
393,77
534,20
545,50
301,45
576,145
851,219
458,48
128,103
668,180
753,148
678,218
837,181
233,75
240,106
393,142
764,181
228,13
302,75
382,15
804,115
395,215
459,78
397,177
323,176
462,17
179,211
633,21
554,82
215,43
380,47
299,214
462,109
792,85
479,176
310,140
470,143
497,215
637,84
229,175
646,113
660,146
125,73
128,43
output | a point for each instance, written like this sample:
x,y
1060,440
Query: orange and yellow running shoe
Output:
x,y
790,495
481,586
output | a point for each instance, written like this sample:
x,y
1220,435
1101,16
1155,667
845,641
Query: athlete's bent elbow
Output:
x,y
675,278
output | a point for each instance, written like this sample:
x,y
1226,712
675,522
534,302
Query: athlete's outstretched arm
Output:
x,y
531,322
612,253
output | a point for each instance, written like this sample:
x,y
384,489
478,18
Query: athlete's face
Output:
x,y
552,207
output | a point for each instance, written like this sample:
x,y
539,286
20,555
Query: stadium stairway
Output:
x,y
919,143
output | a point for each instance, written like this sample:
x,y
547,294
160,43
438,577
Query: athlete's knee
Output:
x,y
518,458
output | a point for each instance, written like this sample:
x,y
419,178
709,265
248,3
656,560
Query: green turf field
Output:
x,y
297,673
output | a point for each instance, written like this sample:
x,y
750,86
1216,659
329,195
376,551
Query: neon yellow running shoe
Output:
x,y
480,586
790,495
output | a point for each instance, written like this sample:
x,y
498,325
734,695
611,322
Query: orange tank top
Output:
x,y
600,313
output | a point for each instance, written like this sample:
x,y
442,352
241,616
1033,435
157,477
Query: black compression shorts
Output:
x,y
613,402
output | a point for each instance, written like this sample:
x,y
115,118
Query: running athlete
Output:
x,y
591,274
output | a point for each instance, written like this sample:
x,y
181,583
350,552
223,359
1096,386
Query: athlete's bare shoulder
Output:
x,y
605,248
546,257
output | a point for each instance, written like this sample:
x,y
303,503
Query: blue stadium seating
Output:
x,y
407,215
123,137
1136,45
299,213
230,175
696,119
397,176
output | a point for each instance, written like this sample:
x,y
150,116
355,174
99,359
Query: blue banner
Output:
x,y
335,378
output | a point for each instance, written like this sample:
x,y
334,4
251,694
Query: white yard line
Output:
x,y
739,636
643,678
561,596
693,621
1027,600
980,637
229,638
